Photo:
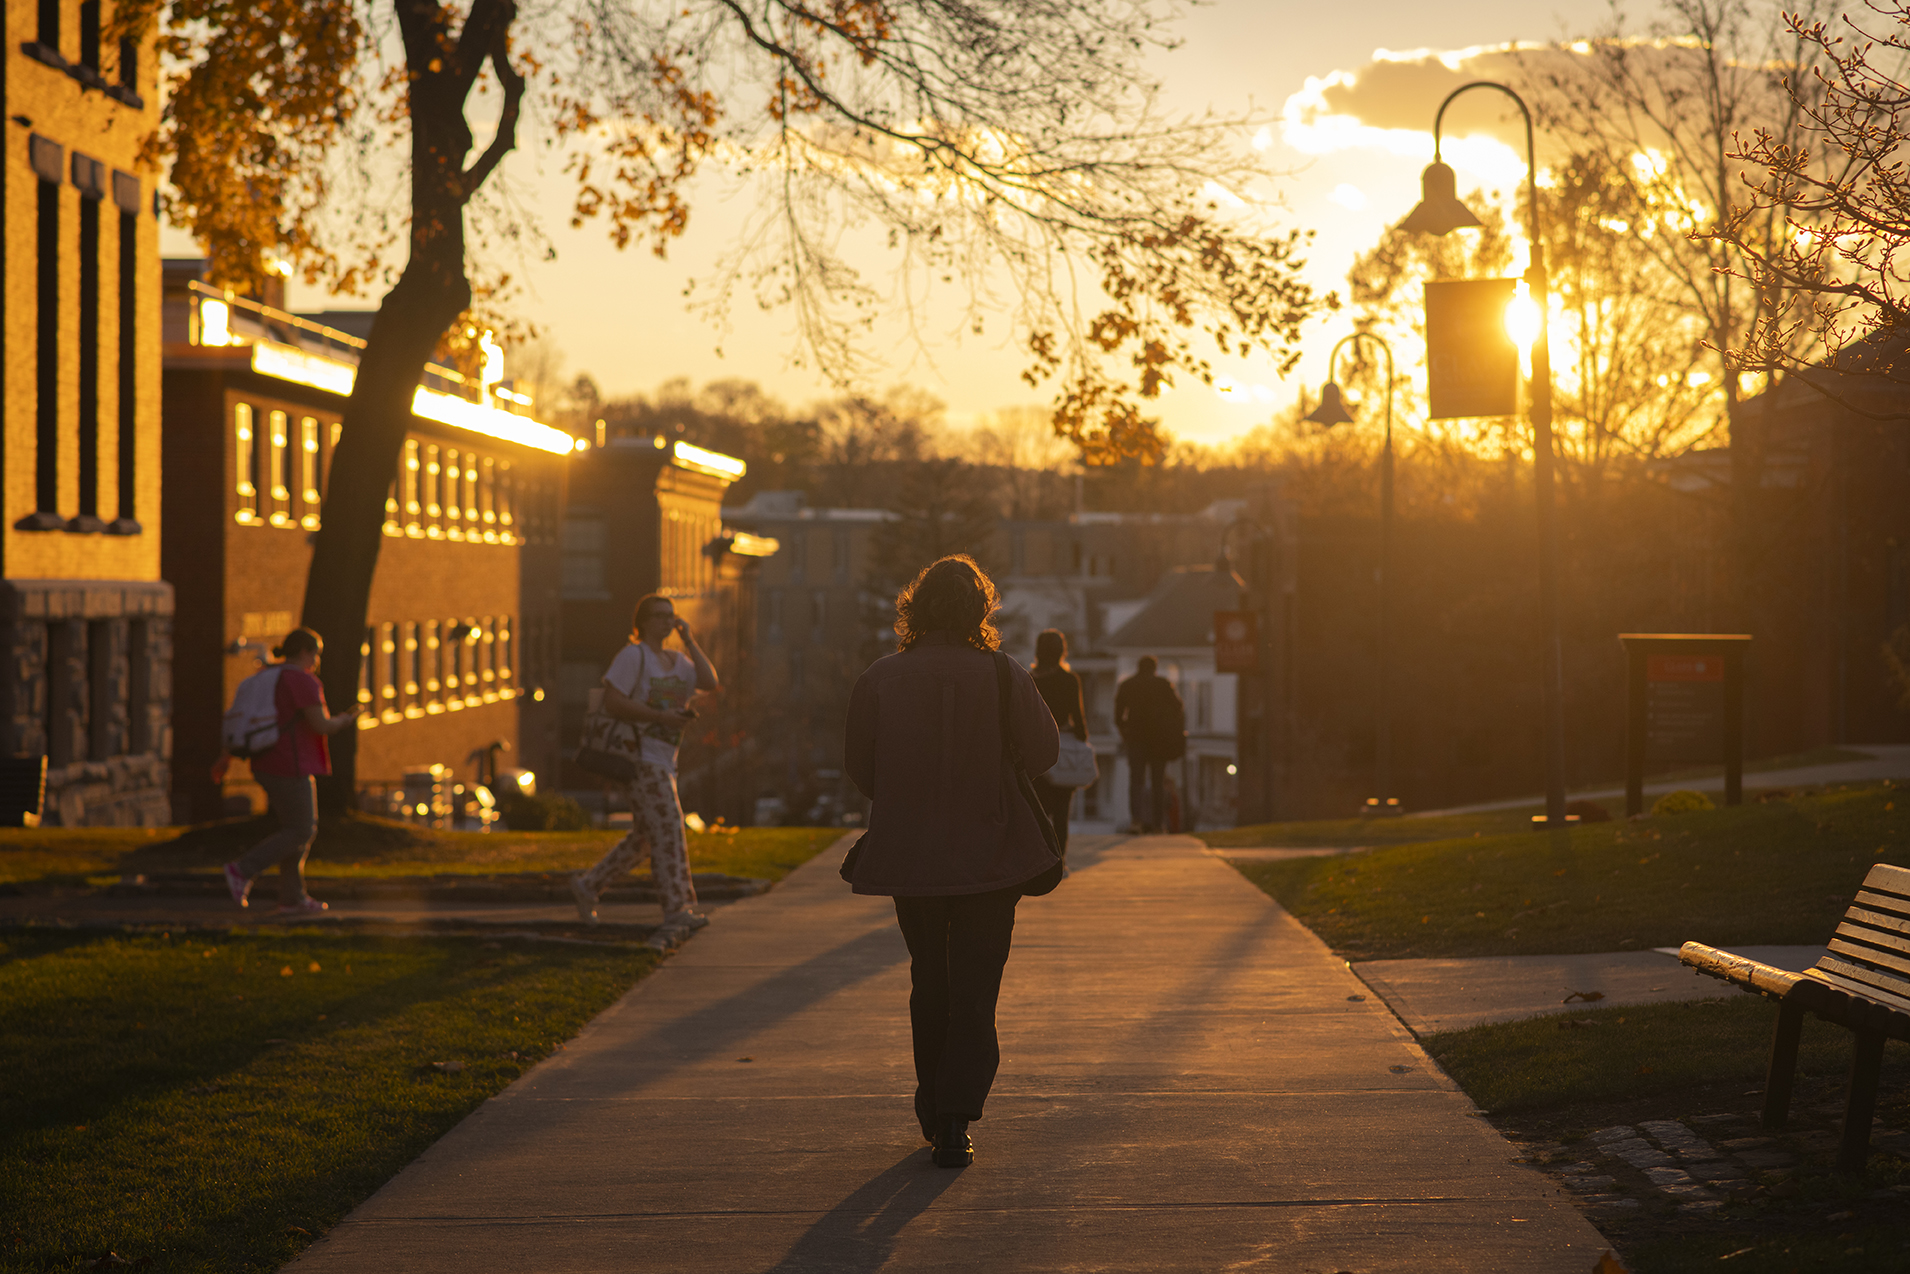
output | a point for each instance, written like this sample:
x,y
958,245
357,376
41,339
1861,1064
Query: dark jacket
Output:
x,y
1150,718
1061,691
924,745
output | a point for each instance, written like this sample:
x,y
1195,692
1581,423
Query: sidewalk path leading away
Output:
x,y
1449,995
1190,1081
1887,761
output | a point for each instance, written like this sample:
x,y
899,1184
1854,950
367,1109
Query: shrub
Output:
x,y
1683,801
551,813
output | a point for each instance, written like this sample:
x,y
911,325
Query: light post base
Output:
x,y
1387,808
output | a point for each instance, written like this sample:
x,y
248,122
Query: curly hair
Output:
x,y
952,595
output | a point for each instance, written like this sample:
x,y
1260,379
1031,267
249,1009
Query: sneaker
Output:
x,y
241,887
586,901
303,907
688,921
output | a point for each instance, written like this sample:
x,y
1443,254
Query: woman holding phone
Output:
x,y
651,688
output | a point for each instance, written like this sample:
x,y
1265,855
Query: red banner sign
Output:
x,y
1236,641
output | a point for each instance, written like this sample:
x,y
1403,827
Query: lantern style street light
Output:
x,y
1440,212
1332,411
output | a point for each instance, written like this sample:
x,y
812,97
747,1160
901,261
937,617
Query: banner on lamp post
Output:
x,y
1472,364
1236,641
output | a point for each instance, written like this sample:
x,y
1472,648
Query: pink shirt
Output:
x,y
300,750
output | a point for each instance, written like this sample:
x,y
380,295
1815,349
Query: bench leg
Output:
x,y
1777,1085
1866,1064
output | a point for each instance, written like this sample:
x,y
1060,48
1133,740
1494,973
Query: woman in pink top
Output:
x,y
287,773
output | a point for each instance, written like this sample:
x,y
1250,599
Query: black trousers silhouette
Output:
x,y
957,947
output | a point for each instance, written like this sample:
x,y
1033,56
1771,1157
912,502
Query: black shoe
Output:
x,y
953,1149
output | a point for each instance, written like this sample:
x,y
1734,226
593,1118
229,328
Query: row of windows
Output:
x,y
417,668
441,493
99,690
89,70
71,325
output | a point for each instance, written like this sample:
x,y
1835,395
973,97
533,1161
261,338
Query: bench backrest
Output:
x,y
1870,955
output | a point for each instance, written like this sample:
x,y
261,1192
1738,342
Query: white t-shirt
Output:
x,y
664,682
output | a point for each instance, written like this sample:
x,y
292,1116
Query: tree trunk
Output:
x,y
428,297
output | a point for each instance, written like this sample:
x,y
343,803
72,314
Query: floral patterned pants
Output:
x,y
656,832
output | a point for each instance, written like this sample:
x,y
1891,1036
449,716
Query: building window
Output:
x,y
278,467
798,550
473,527
366,673
89,316
818,617
245,456
89,36
139,687
433,684
390,674
584,540
841,555
487,498
308,471
46,460
414,511
49,33
505,654
453,511
773,616
433,483
413,661
105,683
128,521
506,497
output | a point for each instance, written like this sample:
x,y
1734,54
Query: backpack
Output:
x,y
251,725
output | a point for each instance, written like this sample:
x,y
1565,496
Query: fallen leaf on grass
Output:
x,y
1399,1070
1584,996
1608,1263
1732,1256
313,968
448,1068
286,972
1354,998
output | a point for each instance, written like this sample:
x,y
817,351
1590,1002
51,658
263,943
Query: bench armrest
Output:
x,y
1739,970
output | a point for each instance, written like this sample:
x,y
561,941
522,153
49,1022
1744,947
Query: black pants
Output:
x,y
1056,800
957,947
1151,815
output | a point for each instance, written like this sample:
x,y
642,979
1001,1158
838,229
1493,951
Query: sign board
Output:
x,y
1236,641
1472,365
1686,693
1684,707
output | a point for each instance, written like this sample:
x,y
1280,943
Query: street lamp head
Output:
x,y
1439,210
1332,409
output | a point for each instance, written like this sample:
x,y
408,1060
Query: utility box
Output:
x,y
1686,693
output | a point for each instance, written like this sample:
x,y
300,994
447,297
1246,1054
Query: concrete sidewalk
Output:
x,y
1449,995
1188,1083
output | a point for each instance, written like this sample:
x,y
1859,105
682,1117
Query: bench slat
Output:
x,y
1878,920
1891,879
1886,944
1887,904
1852,977
1886,966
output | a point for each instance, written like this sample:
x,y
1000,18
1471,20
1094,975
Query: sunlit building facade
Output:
x,y
462,639
85,619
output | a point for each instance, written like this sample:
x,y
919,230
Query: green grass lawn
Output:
x,y
215,1102
358,845
1779,871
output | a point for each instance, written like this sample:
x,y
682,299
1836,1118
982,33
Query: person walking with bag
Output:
x,y
650,688
940,737
1061,690
288,772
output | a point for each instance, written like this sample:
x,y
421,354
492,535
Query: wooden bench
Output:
x,y
1861,984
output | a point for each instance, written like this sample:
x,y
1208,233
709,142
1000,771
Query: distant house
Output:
x,y
85,618
1175,624
460,649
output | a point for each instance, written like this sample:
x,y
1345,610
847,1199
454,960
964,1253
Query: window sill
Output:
x,y
45,53
41,521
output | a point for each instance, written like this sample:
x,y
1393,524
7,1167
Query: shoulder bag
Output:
x,y
1045,882
609,746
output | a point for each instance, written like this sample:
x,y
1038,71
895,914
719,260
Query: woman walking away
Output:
x,y
287,771
651,687
1061,691
950,837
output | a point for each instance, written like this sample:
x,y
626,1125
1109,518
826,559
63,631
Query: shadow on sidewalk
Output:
x,y
859,1233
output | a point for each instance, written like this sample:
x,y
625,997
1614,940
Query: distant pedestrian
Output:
x,y
1153,726
1061,691
950,836
651,688
288,772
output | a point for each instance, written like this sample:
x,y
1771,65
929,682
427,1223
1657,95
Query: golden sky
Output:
x,y
1349,91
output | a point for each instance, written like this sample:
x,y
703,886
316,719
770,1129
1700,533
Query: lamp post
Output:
x,y
1332,411
1440,212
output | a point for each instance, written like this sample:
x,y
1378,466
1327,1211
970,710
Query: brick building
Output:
x,y
462,640
85,620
